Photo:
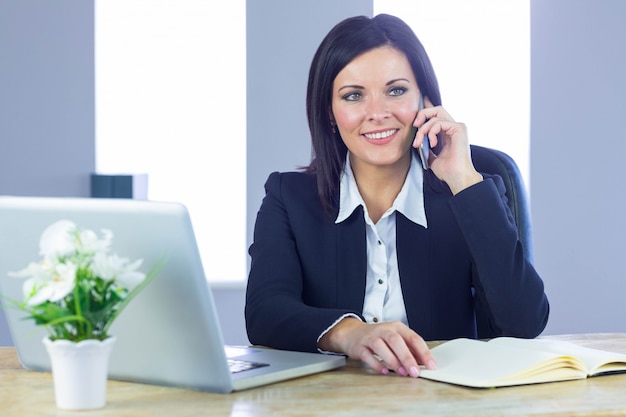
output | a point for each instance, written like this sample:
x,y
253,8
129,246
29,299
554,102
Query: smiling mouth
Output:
x,y
380,135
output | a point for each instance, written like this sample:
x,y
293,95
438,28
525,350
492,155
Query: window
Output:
x,y
171,102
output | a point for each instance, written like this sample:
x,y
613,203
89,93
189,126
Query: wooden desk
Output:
x,y
350,391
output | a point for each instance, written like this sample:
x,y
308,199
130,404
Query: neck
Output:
x,y
380,185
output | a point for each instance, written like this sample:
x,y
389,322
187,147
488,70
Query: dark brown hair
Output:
x,y
347,40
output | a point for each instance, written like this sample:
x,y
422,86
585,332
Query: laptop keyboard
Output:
x,y
238,365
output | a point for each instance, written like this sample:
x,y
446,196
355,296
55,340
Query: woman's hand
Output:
x,y
382,346
453,164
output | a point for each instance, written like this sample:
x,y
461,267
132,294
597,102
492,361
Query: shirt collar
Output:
x,y
409,202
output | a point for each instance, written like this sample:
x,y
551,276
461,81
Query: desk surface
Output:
x,y
349,391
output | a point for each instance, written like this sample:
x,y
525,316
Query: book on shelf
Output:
x,y
508,361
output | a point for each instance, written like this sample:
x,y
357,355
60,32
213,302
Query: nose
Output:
x,y
377,108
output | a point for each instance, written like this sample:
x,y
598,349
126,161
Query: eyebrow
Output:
x,y
359,87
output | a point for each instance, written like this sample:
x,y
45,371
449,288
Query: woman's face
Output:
x,y
375,100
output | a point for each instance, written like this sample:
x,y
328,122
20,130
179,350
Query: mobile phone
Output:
x,y
424,148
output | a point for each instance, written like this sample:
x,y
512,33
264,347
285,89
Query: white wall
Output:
x,y
578,107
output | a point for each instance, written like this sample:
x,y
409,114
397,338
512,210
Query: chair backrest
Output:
x,y
492,161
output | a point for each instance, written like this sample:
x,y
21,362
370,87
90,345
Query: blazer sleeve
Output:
x,y
509,294
276,313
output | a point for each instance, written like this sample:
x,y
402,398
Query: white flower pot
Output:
x,y
80,372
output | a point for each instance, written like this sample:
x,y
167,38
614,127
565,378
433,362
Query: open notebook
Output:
x,y
168,335
509,361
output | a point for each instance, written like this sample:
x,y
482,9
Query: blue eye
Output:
x,y
397,91
354,96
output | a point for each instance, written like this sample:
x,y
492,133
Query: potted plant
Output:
x,y
76,291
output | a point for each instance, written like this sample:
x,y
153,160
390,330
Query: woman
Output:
x,y
366,253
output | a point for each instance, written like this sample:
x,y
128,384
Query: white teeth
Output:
x,y
380,135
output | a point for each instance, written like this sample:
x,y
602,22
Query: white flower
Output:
x,y
63,238
33,287
57,239
63,281
112,267
130,279
47,282
89,241
39,271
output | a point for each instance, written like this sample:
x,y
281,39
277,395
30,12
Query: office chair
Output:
x,y
492,161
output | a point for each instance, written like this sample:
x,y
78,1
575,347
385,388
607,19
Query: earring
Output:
x,y
334,127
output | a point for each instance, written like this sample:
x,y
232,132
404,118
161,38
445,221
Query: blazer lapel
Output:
x,y
413,245
351,261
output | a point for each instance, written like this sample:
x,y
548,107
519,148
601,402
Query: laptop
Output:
x,y
170,333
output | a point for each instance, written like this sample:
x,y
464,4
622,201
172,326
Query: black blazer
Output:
x,y
466,275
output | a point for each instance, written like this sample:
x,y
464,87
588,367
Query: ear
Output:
x,y
333,123
331,117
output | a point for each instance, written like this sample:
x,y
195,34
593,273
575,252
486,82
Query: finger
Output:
x,y
421,352
450,128
433,139
419,139
383,349
371,360
422,127
424,133
421,115
405,362
433,127
431,111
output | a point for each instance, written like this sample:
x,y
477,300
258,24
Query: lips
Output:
x,y
380,135
380,138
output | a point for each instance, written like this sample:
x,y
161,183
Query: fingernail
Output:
x,y
432,364
402,371
384,371
414,372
